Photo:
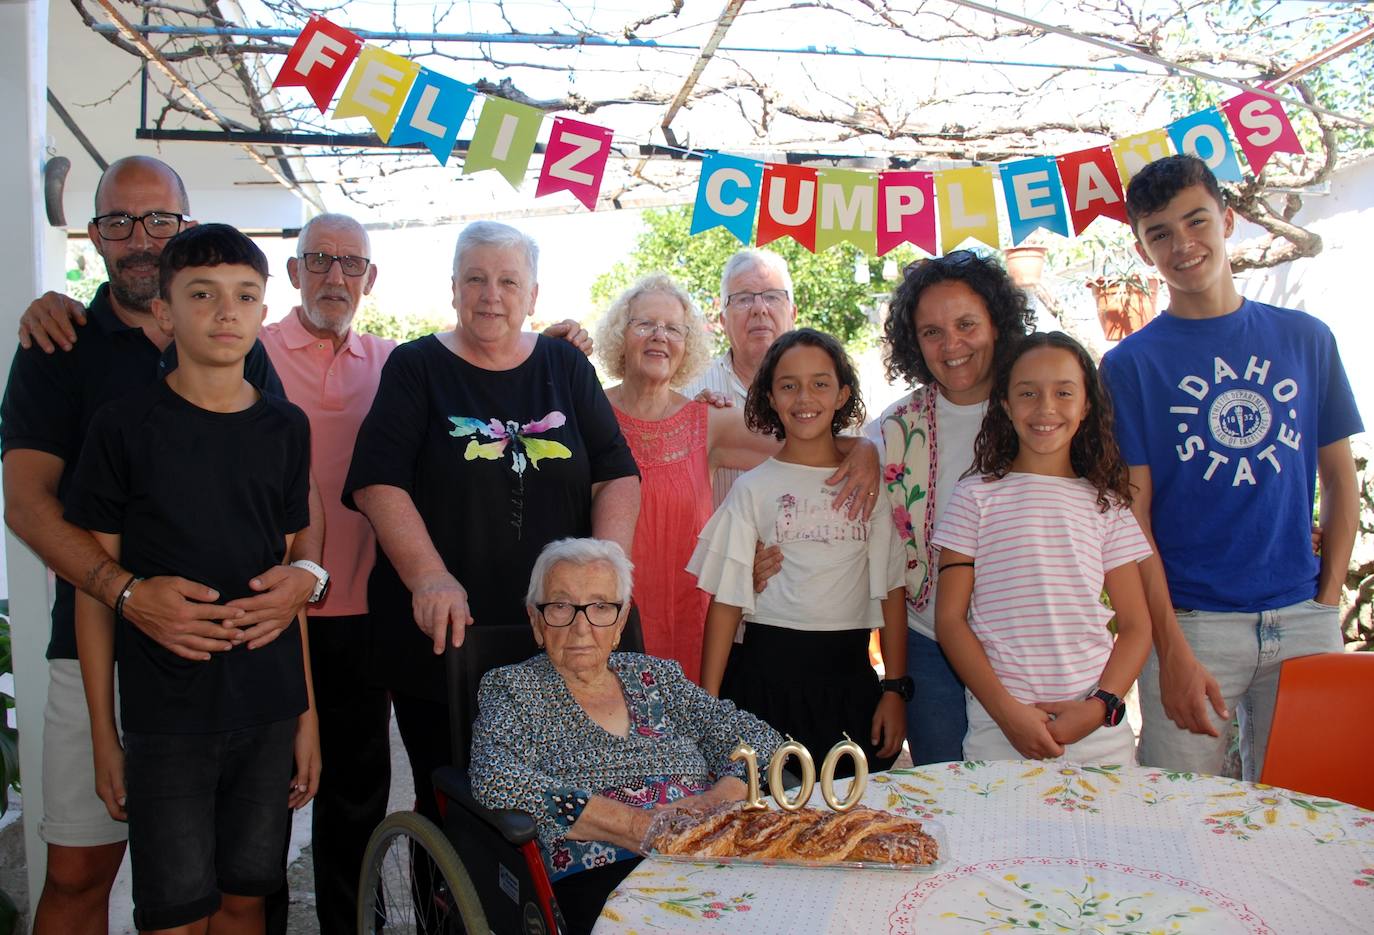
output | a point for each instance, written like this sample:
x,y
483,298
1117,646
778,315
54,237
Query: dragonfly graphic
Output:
x,y
525,450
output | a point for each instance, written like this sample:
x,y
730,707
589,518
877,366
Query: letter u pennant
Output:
x,y
575,160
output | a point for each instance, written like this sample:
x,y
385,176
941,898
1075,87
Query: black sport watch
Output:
x,y
904,686
1116,708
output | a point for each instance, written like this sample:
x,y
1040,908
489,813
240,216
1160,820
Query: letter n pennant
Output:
x,y
319,60
575,160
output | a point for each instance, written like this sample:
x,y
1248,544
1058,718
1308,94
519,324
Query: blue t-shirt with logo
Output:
x,y
1228,414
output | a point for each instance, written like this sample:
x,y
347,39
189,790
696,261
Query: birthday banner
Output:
x,y
937,210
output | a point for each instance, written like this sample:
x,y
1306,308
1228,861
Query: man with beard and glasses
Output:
x,y
116,347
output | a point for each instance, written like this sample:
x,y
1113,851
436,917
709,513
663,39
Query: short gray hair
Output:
x,y
581,552
332,219
754,259
610,332
496,234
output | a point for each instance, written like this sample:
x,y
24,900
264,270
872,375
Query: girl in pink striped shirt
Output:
x,y
1032,534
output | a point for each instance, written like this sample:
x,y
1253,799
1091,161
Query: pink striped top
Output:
x,y
1042,550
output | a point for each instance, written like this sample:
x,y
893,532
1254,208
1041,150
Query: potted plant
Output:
x,y
1026,262
1126,294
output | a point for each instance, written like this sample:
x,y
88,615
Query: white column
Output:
x,y
26,266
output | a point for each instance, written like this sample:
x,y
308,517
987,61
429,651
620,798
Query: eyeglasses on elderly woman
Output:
x,y
562,613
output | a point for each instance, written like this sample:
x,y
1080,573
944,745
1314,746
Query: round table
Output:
x,y
1050,847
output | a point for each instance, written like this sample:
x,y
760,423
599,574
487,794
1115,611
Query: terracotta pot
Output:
x,y
1025,264
1122,307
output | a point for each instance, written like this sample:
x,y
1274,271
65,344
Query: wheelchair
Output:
x,y
483,870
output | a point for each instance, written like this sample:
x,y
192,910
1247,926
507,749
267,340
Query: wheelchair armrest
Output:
x,y
515,826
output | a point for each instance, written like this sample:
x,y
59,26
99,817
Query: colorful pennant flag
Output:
x,y
906,210
319,60
1133,153
788,205
504,139
433,113
967,205
727,195
575,160
1261,128
1203,135
377,89
1031,190
1092,187
847,209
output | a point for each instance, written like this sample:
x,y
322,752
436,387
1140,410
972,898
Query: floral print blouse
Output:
x,y
535,749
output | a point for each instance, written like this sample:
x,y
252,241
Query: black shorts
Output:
x,y
208,814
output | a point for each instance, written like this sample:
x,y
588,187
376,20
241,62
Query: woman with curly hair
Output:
x,y
1026,543
654,341
951,321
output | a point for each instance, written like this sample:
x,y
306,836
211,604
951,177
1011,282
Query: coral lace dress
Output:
x,y
674,505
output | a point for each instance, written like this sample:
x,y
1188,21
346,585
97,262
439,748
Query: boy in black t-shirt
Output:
x,y
204,477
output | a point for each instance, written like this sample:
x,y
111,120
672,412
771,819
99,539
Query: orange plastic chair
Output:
x,y
1317,744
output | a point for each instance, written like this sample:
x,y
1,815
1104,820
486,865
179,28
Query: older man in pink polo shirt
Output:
x,y
331,371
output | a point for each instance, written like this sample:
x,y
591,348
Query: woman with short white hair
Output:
x,y
595,743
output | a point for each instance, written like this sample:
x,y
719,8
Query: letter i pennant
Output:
x,y
319,60
575,160
504,139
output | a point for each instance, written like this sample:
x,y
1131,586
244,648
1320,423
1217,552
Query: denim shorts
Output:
x,y
208,814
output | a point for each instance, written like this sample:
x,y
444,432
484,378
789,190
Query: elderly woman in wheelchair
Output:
x,y
593,742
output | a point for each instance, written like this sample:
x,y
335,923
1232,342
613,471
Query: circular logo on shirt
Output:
x,y
1239,418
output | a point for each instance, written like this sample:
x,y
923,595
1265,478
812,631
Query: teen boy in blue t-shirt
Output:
x,y
1228,411
201,476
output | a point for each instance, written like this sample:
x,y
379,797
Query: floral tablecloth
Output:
x,y
1036,847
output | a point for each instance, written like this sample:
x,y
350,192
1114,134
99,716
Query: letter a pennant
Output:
x,y
1092,186
319,60
575,160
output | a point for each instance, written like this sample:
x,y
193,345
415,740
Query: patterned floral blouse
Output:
x,y
535,749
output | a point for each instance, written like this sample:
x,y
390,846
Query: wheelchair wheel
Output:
x,y
414,883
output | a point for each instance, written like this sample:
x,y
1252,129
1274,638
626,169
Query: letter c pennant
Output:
x,y
727,195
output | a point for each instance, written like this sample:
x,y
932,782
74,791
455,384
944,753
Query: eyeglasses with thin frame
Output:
x,y
159,225
562,613
773,299
321,262
646,329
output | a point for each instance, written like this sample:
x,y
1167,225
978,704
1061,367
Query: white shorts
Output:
x,y
985,741
73,815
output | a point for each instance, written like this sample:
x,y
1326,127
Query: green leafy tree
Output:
x,y
828,297
370,319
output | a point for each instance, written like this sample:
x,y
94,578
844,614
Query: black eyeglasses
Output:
x,y
321,262
562,613
160,225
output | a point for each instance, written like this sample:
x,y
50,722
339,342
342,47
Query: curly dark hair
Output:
x,y
1006,303
759,414
1093,453
1153,187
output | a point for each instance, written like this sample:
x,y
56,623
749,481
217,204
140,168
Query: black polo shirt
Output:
x,y
50,399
